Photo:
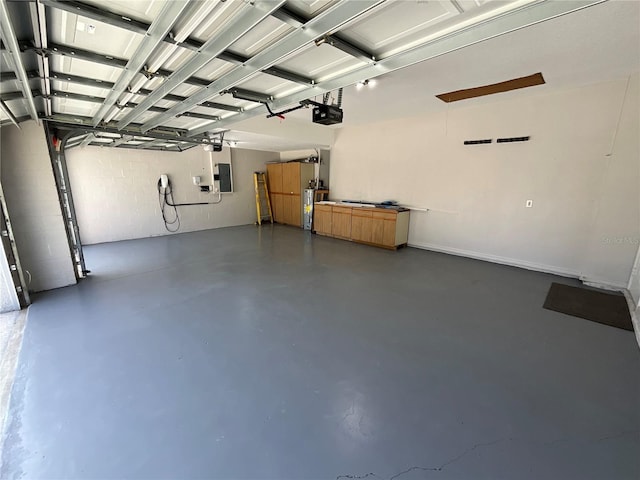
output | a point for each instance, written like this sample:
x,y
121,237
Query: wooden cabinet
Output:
x,y
277,206
361,225
286,182
322,219
292,214
341,222
274,177
374,226
384,228
291,178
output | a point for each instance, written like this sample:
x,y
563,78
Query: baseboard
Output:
x,y
603,285
538,267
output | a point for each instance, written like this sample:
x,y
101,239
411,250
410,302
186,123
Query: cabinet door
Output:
x,y
384,228
274,177
377,230
292,210
277,207
361,225
291,178
322,219
341,222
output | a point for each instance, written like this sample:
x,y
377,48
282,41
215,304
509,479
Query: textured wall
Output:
x,y
116,198
580,168
34,208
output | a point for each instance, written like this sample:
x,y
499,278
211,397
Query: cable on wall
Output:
x,y
165,198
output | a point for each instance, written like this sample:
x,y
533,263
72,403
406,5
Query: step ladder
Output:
x,y
263,204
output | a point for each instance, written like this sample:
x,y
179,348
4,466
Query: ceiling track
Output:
x,y
104,84
158,30
140,27
517,19
307,33
249,17
7,111
10,41
164,133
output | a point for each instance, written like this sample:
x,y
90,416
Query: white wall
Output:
x,y
8,297
116,197
581,176
32,200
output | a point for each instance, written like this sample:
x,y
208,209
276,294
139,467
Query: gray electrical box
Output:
x,y
225,178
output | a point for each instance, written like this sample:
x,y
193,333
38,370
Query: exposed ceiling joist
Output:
x,y
305,34
108,60
8,35
140,27
39,26
7,111
90,82
87,140
252,15
165,133
158,30
514,20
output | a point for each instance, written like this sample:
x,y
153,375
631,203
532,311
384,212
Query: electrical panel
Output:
x,y
224,177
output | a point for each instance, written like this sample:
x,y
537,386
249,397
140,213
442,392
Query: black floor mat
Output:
x,y
600,306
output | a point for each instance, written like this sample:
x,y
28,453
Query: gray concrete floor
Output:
x,y
270,353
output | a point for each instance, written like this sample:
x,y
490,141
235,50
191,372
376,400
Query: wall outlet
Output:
x,y
529,204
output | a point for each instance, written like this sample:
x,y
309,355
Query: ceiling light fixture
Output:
x,y
365,83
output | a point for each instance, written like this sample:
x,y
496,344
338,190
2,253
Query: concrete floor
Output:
x,y
269,353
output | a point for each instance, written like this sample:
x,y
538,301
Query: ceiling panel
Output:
x,y
320,62
74,107
217,19
310,8
214,69
145,10
261,36
396,24
63,86
82,68
73,30
10,86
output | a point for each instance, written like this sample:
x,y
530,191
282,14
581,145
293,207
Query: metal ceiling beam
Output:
x,y
5,109
140,27
18,119
166,133
335,40
88,56
8,96
103,16
249,17
93,99
514,20
40,34
15,60
158,30
121,140
87,140
290,17
90,82
348,48
326,22
152,143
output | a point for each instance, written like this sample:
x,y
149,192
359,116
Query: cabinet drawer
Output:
x,y
385,215
343,210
